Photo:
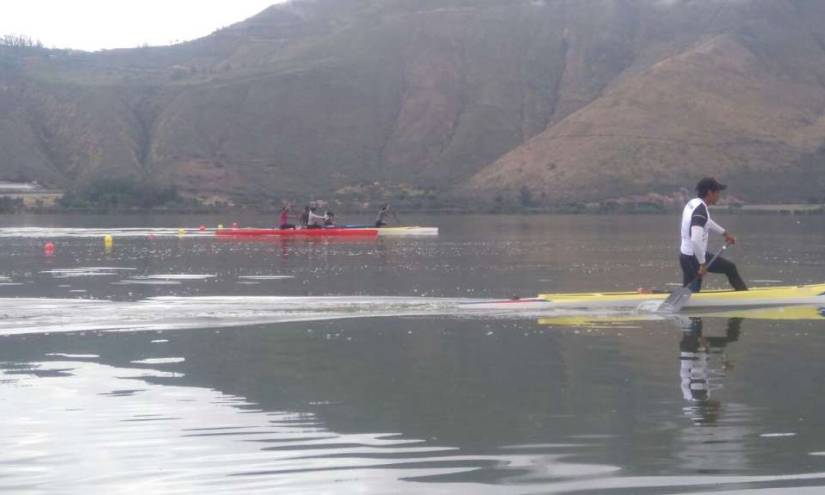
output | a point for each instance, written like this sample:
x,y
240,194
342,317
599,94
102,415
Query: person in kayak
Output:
x,y
314,220
381,219
696,223
283,219
329,219
304,219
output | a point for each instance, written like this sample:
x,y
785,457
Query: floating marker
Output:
x,y
48,248
220,226
181,232
202,228
107,240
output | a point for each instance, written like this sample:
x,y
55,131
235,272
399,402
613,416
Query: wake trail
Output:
x,y
40,315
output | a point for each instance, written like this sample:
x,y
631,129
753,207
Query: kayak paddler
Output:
x,y
314,220
304,218
381,219
696,225
283,219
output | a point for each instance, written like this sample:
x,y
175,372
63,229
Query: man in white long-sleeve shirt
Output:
x,y
696,223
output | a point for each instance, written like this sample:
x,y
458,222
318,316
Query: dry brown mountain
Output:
x,y
741,96
575,99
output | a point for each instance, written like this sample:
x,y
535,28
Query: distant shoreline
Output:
x,y
573,209
123,196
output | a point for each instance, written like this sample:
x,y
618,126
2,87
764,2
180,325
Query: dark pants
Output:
x,y
690,267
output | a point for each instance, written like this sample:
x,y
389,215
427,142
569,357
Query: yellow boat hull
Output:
x,y
780,313
761,296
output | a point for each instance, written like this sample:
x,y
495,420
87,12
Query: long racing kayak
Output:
x,y
757,297
330,232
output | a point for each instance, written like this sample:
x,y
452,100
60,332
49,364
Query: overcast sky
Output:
x,y
99,24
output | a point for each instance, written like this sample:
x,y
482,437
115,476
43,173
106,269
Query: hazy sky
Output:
x,y
99,24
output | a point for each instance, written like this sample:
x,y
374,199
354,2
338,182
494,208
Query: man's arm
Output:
x,y
715,227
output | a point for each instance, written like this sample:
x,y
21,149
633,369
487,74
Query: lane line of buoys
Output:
x,y
49,247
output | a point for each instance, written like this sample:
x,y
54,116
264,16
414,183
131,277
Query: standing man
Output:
x,y
696,223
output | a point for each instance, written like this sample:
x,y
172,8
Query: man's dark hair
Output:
x,y
709,184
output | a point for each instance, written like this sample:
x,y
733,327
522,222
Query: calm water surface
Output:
x,y
172,364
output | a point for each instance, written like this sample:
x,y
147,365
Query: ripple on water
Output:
x,y
72,356
168,360
166,437
194,440
175,276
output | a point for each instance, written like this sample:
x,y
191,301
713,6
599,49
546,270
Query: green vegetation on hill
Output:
x,y
19,41
10,205
123,194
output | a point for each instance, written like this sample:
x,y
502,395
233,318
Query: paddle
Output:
x,y
679,297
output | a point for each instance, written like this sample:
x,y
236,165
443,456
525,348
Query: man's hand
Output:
x,y
729,239
702,270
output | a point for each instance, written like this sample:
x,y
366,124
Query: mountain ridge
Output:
x,y
476,100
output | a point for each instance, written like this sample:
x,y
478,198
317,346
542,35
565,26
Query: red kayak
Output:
x,y
323,232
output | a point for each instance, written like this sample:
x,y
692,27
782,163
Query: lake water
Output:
x,y
189,364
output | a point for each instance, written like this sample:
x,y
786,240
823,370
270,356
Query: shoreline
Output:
x,y
641,209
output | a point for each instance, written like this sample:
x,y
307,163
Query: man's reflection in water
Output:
x,y
713,442
694,354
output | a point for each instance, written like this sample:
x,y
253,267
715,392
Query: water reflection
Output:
x,y
381,406
716,439
142,428
177,424
694,355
